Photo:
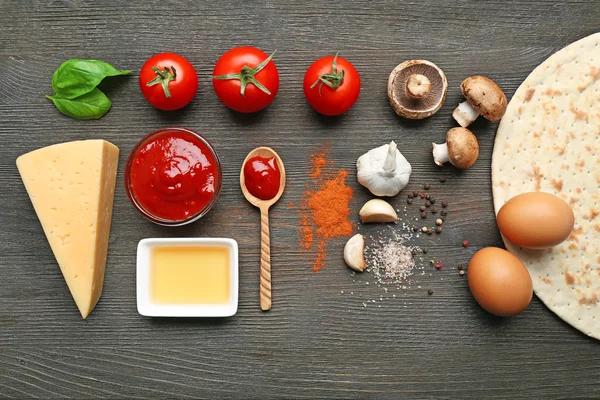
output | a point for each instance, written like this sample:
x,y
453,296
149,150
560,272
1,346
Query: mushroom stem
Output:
x,y
440,153
389,165
417,86
465,114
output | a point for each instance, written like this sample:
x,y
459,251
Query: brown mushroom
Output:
x,y
483,97
417,89
461,149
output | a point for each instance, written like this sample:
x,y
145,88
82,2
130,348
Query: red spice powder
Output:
x,y
318,161
306,231
330,208
326,211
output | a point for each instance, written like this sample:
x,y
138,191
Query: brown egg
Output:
x,y
499,282
536,220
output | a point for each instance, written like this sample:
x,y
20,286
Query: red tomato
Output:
x,y
331,85
245,79
168,81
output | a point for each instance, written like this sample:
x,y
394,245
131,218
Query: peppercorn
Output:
x,y
460,266
461,272
424,251
423,215
442,179
410,196
444,213
432,200
415,228
427,186
409,200
430,231
438,266
465,243
445,203
438,229
427,197
422,208
427,204
422,195
414,253
430,292
433,210
415,193
438,221
424,229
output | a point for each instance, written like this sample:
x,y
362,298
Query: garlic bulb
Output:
x,y
383,170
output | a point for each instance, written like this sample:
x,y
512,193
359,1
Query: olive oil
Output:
x,y
190,275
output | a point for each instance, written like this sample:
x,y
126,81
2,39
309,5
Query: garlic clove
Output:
x,y
354,253
377,210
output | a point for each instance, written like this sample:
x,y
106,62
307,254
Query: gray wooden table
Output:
x,y
316,342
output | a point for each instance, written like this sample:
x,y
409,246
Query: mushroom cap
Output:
x,y
412,107
485,96
463,148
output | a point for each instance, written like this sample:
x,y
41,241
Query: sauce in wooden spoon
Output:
x,y
260,176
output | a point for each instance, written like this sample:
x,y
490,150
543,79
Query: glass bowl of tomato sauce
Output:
x,y
173,176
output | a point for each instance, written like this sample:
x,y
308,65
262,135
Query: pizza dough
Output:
x,y
549,141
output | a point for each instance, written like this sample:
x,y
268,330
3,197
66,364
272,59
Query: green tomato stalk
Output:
x,y
247,75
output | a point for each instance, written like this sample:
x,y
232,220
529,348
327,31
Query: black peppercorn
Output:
x,y
415,228
424,251
427,204
423,215
410,195
460,266
427,197
443,179
438,229
433,210
409,200
432,200
430,231
430,292
445,203
427,186
422,208
444,213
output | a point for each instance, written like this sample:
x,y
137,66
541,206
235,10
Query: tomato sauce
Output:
x,y
174,175
262,177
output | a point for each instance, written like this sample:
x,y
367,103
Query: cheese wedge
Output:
x,y
72,186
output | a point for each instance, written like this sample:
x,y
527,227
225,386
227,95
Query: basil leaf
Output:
x,y
76,77
91,105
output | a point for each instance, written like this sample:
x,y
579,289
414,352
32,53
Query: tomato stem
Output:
x,y
333,79
247,75
163,77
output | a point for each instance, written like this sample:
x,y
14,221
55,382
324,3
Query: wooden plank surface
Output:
x,y
316,342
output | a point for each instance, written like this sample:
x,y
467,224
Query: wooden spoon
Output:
x,y
264,205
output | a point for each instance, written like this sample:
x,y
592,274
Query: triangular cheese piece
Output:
x,y
72,186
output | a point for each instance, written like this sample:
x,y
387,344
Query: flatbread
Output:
x,y
549,141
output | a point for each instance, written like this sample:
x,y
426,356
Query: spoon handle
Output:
x,y
265,260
